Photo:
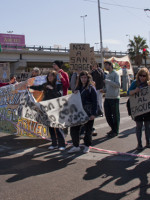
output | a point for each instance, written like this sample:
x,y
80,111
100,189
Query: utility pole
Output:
x,y
100,30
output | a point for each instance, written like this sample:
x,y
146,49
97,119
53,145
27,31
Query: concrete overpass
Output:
x,y
25,59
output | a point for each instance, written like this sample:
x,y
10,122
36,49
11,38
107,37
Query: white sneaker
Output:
x,y
52,147
74,149
62,148
86,149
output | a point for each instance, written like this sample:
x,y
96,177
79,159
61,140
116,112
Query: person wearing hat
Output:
x,y
112,97
62,77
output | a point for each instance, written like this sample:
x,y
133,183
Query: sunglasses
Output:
x,y
142,75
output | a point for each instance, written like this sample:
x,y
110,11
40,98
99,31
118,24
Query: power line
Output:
x,y
117,5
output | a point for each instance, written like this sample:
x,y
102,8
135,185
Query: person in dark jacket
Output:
x,y
89,102
98,77
142,80
51,91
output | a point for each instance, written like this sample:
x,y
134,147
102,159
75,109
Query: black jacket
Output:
x,y
89,100
48,93
98,78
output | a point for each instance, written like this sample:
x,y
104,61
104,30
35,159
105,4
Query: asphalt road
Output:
x,y
29,171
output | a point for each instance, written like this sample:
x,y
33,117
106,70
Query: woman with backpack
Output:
x,y
89,102
142,80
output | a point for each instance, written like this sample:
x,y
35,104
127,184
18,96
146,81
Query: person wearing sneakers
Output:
x,y
142,80
89,102
112,98
51,91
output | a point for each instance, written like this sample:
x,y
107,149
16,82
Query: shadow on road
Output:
x,y
120,173
30,164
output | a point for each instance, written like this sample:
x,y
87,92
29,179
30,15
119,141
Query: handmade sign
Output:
x,y
80,58
61,112
140,102
9,101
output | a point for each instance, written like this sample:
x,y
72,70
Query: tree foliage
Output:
x,y
136,47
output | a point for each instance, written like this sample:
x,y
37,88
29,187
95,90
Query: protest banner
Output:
x,y
9,101
22,114
79,57
4,72
60,112
140,102
119,64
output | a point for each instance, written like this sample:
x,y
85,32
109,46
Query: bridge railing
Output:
x,y
52,49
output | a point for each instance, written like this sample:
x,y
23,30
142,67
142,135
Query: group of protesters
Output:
x,y
91,86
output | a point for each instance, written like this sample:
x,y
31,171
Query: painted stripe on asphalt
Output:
x,y
104,125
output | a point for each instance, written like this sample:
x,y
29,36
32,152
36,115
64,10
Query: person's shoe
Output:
x,y
139,148
52,147
109,133
94,134
147,145
74,150
86,149
62,148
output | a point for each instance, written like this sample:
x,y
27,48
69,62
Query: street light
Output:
x,y
83,17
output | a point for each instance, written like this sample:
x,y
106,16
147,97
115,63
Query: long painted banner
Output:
x,y
23,113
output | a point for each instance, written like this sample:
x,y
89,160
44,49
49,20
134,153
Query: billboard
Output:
x,y
11,41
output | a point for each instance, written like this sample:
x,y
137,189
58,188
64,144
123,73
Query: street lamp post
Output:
x,y
100,30
83,17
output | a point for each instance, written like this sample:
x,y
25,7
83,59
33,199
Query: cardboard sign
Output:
x,y
140,102
80,57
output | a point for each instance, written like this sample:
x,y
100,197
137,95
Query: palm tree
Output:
x,y
135,49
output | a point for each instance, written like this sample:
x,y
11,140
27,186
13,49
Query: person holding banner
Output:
x,y
142,80
89,102
51,91
112,97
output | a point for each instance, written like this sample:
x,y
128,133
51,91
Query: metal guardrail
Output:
x,y
51,49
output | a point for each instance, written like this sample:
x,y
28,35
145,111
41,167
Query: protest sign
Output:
x,y
61,112
79,56
4,72
140,102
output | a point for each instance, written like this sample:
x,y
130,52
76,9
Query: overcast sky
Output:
x,y
58,22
